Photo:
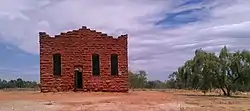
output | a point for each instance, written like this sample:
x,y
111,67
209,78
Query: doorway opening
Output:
x,y
78,79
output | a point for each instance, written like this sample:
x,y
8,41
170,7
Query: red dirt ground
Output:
x,y
133,101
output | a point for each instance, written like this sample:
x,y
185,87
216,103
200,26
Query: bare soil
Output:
x,y
167,100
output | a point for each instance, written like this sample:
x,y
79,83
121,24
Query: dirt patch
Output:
x,y
22,105
136,100
119,106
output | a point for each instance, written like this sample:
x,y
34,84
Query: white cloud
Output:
x,y
152,48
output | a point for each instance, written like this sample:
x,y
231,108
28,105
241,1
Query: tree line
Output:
x,y
227,71
18,83
139,80
136,80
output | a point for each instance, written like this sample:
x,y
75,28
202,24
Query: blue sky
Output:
x,y
163,34
17,63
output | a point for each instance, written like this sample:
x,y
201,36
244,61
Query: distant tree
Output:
x,y
20,83
137,79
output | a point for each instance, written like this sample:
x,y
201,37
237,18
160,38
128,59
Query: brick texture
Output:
x,y
76,48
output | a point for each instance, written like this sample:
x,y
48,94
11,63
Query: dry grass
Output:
x,y
160,100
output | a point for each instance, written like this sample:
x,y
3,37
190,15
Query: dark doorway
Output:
x,y
78,79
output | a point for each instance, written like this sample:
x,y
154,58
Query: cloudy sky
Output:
x,y
163,34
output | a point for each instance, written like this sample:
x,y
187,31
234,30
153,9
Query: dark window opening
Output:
x,y
114,64
95,65
57,64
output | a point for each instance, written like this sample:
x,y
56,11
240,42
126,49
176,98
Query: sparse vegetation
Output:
x,y
138,80
18,83
228,71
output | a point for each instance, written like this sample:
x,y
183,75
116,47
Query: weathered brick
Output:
x,y
76,48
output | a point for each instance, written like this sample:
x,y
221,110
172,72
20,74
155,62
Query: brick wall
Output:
x,y
76,48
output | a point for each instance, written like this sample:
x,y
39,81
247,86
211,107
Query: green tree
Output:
x,y
20,83
138,79
205,71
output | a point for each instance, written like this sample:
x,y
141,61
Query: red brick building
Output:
x,y
84,60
